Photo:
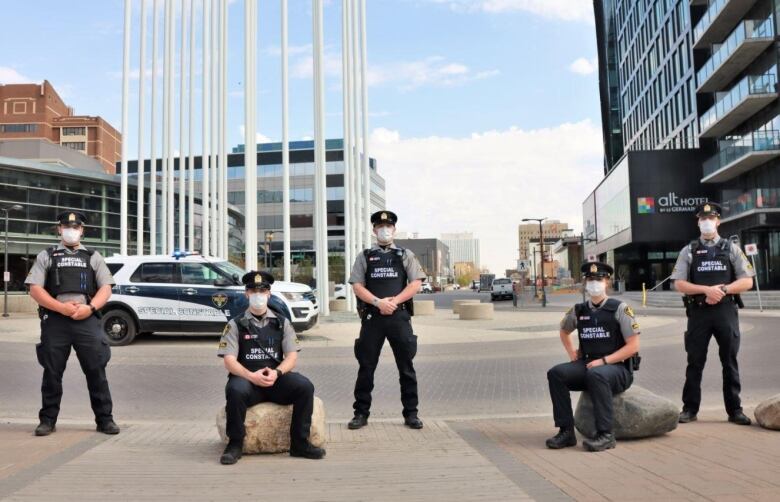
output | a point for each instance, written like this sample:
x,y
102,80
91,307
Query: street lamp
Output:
x,y
541,242
269,237
583,240
6,273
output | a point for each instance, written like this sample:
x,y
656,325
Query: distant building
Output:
x,y
552,229
434,257
36,112
463,247
465,269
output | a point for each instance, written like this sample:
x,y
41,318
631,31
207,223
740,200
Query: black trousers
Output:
x,y
397,328
722,322
601,382
290,388
58,335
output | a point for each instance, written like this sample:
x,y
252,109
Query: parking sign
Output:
x,y
751,249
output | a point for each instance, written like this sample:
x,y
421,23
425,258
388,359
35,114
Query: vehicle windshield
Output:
x,y
229,269
501,281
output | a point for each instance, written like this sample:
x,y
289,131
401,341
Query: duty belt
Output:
x,y
700,301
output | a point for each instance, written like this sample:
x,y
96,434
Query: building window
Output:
x,y
19,108
74,145
18,127
73,131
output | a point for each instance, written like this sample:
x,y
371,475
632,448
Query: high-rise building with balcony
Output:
x,y
693,87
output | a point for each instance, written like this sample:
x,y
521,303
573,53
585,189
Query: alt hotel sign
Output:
x,y
668,203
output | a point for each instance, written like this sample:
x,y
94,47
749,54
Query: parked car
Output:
x,y
426,288
500,289
188,294
340,292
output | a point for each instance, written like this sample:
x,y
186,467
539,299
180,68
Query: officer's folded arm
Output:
x,y
384,306
256,377
569,345
409,291
45,300
629,349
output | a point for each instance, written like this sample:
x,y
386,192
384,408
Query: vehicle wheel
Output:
x,y
119,327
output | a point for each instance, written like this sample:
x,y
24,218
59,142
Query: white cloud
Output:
x,y
487,182
11,76
584,66
260,137
566,10
431,71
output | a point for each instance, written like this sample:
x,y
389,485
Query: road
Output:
x,y
179,378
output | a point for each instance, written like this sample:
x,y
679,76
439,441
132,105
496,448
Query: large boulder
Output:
x,y
268,427
768,413
638,413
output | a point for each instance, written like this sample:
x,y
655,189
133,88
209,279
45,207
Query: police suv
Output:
x,y
187,293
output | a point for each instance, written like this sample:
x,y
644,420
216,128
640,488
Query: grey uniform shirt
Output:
x,y
228,345
740,262
413,269
40,268
624,315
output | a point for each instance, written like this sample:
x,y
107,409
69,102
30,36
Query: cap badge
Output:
x,y
707,208
384,216
258,278
594,268
71,217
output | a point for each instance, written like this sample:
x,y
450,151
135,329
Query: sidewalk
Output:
x,y
448,460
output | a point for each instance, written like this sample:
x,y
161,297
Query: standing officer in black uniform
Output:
x,y
384,279
259,349
603,365
712,272
71,283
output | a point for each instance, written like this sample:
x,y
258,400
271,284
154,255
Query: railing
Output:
x,y
731,150
752,84
755,198
746,30
706,20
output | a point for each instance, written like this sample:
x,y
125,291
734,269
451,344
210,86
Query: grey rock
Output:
x,y
638,413
268,427
768,413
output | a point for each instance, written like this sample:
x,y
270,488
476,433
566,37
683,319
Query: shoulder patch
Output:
x,y
635,326
227,328
629,311
571,309
222,345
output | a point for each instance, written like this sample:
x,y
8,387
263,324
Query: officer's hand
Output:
x,y
68,308
386,307
264,378
714,294
595,364
573,356
82,312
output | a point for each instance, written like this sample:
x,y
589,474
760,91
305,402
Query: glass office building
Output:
x,y
44,190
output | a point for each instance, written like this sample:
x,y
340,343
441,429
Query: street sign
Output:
x,y
523,265
592,257
751,249
6,276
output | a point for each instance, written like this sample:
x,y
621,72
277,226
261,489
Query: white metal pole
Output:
x,y
205,159
182,156
153,152
223,131
364,123
171,101
216,125
286,231
213,129
250,145
125,112
348,251
355,153
165,127
139,228
321,195
190,129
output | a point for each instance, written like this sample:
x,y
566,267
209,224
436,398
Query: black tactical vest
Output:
x,y
259,348
385,272
70,272
598,330
711,265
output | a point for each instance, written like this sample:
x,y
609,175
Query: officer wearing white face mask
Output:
x,y
602,365
259,350
711,272
71,284
384,279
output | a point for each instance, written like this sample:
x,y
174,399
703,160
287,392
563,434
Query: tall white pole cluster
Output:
x,y
172,225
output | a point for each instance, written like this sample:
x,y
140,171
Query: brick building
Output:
x,y
36,111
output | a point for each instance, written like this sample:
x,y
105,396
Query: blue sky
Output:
x,y
483,111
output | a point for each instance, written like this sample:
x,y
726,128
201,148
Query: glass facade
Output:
x,y
613,203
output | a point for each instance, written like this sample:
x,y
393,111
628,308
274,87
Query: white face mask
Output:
x,y
708,227
71,236
595,288
384,235
258,301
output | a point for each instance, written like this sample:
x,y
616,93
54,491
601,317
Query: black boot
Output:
x,y
687,416
563,439
603,441
739,418
44,429
307,450
109,427
232,453
413,422
358,421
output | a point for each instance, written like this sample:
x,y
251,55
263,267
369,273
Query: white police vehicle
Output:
x,y
188,293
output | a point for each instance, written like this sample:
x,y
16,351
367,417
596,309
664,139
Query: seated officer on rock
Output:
x,y
608,338
259,348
